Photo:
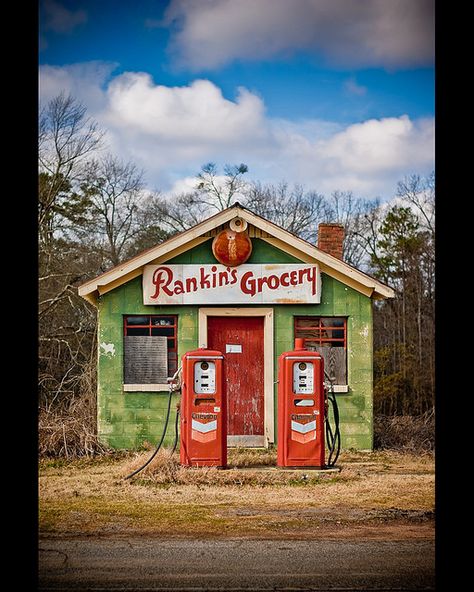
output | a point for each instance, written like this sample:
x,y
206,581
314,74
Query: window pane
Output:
x,y
307,322
326,335
172,363
138,331
138,320
150,327
163,321
309,333
163,331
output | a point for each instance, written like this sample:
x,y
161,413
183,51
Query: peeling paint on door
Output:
x,y
245,371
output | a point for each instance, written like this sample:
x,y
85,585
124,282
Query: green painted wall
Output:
x,y
128,419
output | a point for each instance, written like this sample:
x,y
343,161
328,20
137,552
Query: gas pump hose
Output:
x,y
176,423
333,438
170,396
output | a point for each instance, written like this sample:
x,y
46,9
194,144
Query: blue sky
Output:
x,y
332,94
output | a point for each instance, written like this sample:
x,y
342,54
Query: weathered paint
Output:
x,y
245,398
247,284
107,348
127,419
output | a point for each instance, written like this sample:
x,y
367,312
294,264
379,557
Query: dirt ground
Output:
x,y
374,496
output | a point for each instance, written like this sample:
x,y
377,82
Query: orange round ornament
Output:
x,y
232,248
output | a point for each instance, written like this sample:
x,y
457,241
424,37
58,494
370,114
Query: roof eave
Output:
x,y
90,289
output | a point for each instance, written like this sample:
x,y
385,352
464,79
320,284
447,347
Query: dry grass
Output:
x,y
70,431
91,496
405,432
244,468
251,457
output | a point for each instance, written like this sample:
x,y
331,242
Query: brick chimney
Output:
x,y
331,238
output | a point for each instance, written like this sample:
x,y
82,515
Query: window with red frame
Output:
x,y
156,325
328,336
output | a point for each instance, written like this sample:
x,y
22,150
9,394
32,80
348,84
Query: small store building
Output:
x,y
242,285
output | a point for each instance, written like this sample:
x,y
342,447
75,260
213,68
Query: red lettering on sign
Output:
x,y
213,269
273,282
247,283
178,287
312,277
260,282
191,284
204,279
251,282
223,278
162,278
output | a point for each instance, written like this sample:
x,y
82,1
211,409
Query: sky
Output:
x,y
329,94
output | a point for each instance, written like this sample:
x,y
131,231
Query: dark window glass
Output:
x,y
137,320
138,331
167,332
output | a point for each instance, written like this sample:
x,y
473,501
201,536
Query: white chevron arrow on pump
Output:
x,y
204,427
303,428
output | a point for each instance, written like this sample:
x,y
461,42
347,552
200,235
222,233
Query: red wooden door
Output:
x,y
240,339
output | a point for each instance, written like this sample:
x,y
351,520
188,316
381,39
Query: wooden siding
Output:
x,y
252,231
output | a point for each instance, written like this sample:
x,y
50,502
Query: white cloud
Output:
x,y
61,20
357,33
185,185
172,131
190,115
380,144
85,81
369,157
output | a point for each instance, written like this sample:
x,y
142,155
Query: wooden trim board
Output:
x,y
278,236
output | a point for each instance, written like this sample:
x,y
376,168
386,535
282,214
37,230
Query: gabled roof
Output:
x,y
273,234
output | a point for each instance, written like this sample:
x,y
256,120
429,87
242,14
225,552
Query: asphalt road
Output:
x,y
141,564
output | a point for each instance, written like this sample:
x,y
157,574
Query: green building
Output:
x,y
178,296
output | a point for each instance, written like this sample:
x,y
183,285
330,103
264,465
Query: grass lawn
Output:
x,y
375,495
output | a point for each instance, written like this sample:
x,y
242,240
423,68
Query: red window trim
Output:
x,y
318,327
173,350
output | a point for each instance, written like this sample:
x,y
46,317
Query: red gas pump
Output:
x,y
203,410
301,410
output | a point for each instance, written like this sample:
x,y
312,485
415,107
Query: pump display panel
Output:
x,y
205,377
303,378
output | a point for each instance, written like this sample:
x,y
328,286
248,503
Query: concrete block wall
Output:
x,y
128,419
356,406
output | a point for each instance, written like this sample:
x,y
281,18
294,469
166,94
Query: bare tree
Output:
x,y
66,137
295,210
184,210
367,234
217,192
151,224
353,212
114,189
419,192
212,193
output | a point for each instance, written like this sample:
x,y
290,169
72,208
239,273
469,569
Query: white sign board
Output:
x,y
267,283
233,348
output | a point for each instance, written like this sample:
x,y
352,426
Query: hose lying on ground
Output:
x,y
171,381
